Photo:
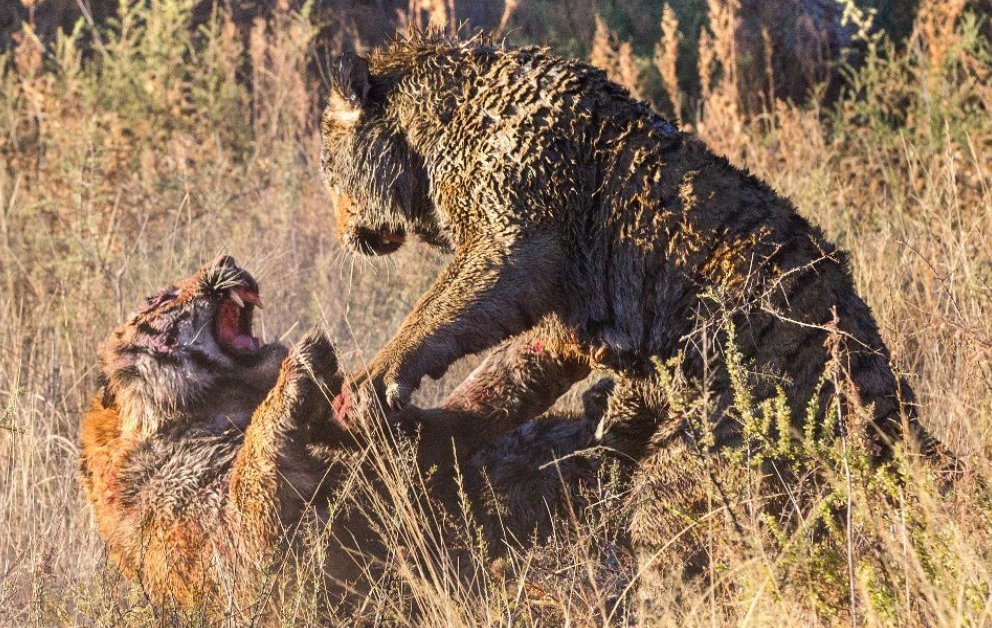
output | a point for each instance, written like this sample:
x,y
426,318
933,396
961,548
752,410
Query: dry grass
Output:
x,y
126,166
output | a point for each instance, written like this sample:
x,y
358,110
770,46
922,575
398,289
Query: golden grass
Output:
x,y
125,167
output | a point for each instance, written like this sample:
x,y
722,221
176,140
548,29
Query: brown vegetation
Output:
x,y
148,153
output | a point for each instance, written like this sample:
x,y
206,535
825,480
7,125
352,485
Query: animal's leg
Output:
x,y
636,420
672,496
490,291
519,380
269,458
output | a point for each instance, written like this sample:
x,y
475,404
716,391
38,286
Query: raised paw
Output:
x,y
397,395
314,359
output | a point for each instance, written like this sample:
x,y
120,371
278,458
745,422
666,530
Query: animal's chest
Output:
x,y
183,476
632,307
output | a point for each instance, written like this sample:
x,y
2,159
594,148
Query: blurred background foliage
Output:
x,y
802,41
139,138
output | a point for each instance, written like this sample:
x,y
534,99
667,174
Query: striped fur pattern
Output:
x,y
200,464
562,197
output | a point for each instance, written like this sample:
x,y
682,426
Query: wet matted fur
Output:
x,y
571,207
206,451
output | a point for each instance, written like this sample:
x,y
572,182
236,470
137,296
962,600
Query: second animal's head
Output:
x,y
376,180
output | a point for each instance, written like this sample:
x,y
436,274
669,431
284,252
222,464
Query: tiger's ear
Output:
x,y
350,83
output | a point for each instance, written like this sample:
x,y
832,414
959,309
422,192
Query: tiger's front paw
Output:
x,y
313,360
397,394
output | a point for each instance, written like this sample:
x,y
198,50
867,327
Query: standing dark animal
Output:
x,y
578,215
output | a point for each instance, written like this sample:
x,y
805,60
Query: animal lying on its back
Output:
x,y
205,449
579,216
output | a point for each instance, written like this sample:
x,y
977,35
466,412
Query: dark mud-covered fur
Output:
x,y
563,197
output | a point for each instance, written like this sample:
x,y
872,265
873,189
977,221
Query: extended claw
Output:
x,y
397,396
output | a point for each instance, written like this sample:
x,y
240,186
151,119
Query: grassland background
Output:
x,y
135,147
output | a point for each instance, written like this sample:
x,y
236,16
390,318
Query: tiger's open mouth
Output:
x,y
233,321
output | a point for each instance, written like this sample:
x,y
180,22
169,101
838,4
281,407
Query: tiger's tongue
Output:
x,y
229,333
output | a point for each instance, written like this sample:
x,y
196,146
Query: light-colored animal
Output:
x,y
206,450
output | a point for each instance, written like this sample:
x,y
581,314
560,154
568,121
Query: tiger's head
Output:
x,y
189,354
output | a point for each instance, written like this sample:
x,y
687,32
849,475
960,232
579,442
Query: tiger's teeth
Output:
x,y
234,296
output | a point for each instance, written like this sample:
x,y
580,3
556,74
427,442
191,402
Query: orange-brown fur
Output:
x,y
198,507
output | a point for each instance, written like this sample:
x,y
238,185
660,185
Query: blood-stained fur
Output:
x,y
206,450
563,199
